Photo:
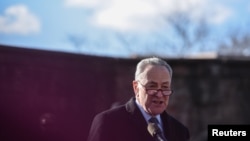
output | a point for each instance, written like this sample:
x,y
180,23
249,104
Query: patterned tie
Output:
x,y
156,122
153,120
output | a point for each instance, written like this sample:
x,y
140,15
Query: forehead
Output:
x,y
153,73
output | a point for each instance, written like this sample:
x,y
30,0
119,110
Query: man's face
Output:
x,y
153,77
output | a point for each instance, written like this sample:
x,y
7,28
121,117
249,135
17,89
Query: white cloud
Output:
x,y
128,15
149,14
17,19
220,14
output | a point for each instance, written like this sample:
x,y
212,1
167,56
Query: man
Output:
x,y
129,122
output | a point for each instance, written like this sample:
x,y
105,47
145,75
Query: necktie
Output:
x,y
157,131
153,120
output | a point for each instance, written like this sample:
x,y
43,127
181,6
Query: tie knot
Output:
x,y
153,120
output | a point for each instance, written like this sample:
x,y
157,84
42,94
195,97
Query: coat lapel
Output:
x,y
135,114
167,127
136,117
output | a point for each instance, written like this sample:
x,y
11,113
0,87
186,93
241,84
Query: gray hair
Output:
x,y
151,61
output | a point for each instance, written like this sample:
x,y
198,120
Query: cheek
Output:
x,y
143,99
167,99
147,101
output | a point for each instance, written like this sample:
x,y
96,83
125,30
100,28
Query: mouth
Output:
x,y
158,102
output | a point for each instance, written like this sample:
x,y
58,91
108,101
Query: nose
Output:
x,y
159,93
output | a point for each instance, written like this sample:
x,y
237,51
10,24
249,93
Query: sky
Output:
x,y
114,28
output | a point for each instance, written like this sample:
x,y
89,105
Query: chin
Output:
x,y
157,112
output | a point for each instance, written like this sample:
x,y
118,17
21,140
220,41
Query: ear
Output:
x,y
135,87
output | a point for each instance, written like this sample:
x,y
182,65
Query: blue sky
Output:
x,y
98,25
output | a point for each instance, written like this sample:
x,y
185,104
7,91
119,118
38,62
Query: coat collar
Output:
x,y
137,117
135,114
